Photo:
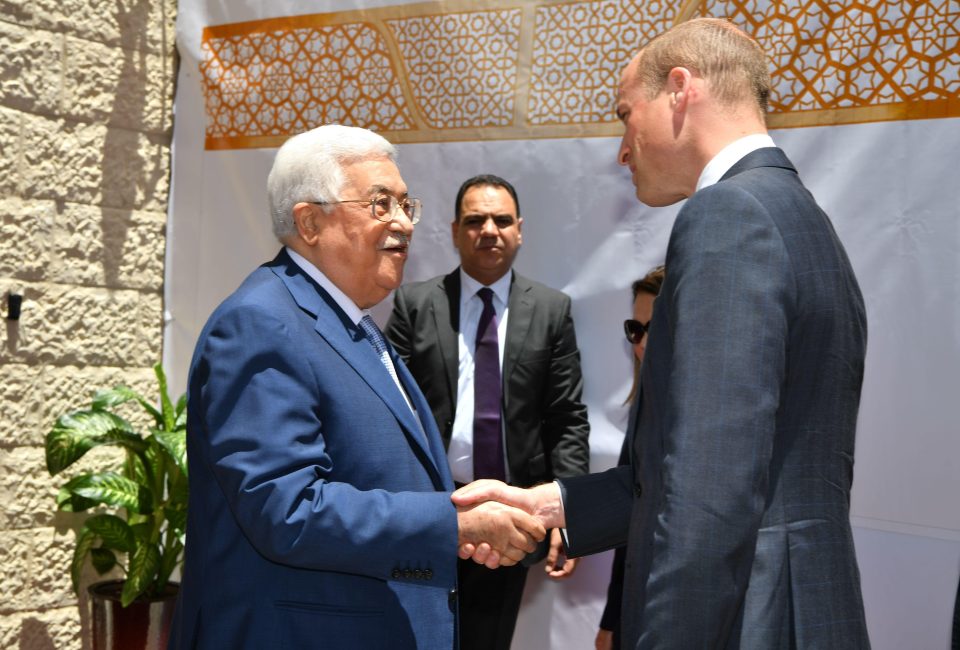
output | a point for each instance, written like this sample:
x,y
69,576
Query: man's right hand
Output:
x,y
543,502
507,533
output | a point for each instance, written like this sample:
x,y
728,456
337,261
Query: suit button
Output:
x,y
637,490
418,574
428,574
452,598
396,574
407,573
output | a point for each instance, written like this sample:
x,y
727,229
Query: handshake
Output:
x,y
498,524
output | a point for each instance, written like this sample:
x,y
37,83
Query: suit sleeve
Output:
x,y
565,415
729,293
398,330
260,414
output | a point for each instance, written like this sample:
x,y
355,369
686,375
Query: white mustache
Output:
x,y
398,240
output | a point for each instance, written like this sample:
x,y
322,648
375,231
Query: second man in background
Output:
x,y
496,356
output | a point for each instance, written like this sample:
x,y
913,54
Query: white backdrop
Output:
x,y
891,189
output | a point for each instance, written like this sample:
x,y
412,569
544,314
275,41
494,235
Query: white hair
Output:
x,y
309,167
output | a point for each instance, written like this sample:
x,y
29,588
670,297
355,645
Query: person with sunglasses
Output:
x,y
636,329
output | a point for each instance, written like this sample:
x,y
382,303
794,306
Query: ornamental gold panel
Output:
x,y
458,70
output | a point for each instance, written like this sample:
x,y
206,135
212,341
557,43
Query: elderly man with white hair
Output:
x,y
320,512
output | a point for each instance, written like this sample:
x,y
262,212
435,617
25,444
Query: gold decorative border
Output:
x,y
496,69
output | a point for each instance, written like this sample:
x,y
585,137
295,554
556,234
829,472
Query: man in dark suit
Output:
x,y
735,509
320,514
537,421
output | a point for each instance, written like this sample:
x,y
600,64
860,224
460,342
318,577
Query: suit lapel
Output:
x,y
446,315
521,306
438,463
348,340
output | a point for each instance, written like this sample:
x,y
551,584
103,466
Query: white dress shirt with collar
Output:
x,y
460,452
354,313
730,156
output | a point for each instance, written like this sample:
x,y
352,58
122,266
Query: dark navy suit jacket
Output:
x,y
737,510
320,514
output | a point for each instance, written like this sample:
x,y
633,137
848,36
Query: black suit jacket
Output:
x,y
737,504
545,418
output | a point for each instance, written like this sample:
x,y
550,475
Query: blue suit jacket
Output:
x,y
736,506
320,514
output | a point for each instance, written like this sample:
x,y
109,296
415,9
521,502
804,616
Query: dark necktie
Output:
x,y
487,436
375,338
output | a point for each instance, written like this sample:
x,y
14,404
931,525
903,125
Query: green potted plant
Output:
x,y
139,509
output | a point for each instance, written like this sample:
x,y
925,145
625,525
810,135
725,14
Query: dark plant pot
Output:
x,y
142,625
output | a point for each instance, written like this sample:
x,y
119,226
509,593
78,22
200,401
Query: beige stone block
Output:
x,y
94,164
25,228
121,87
28,491
108,247
133,24
60,629
31,68
10,145
33,397
62,325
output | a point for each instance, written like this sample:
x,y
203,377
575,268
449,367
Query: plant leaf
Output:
x,y
175,443
142,569
108,398
114,490
181,413
69,502
176,518
103,559
76,433
85,539
114,532
169,415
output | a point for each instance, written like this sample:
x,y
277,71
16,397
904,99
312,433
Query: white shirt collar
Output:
x,y
349,307
730,155
469,287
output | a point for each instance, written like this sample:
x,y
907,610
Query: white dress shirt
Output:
x,y
730,156
460,452
354,313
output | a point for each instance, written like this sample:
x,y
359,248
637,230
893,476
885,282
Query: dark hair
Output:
x,y
483,180
650,283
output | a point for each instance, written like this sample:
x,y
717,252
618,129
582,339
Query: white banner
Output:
x,y
527,93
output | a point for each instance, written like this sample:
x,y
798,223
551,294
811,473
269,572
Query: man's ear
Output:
x,y
679,80
306,217
454,230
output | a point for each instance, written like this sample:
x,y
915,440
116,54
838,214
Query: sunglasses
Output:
x,y
635,330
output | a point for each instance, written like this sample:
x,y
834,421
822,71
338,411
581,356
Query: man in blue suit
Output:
x,y
320,513
736,506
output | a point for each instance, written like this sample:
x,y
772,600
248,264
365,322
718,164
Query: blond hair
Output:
x,y
733,64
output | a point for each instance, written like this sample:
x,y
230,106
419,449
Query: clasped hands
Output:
x,y
500,524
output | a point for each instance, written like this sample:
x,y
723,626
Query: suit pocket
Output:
x,y
305,626
534,356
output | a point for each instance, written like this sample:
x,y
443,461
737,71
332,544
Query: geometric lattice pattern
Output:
x,y
462,67
579,50
828,55
498,69
283,82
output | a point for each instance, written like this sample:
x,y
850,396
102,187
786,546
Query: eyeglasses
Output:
x,y
635,330
383,207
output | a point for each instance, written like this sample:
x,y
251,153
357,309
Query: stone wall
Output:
x,y
86,90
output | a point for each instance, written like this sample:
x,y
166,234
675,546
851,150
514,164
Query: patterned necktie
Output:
x,y
487,435
375,337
